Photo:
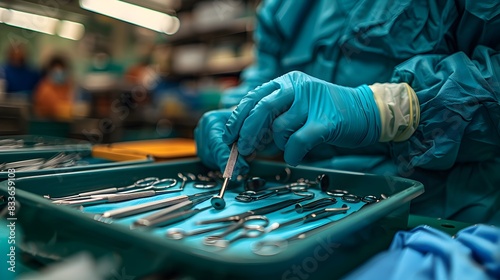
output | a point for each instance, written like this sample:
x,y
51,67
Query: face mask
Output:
x,y
58,77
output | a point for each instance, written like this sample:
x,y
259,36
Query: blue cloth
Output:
x,y
302,112
449,53
426,253
20,79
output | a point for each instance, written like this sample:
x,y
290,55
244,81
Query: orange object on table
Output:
x,y
159,149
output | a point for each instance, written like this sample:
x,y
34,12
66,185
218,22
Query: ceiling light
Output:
x,y
134,14
30,21
71,30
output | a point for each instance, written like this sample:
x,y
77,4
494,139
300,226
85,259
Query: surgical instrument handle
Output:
x,y
146,221
318,215
153,205
175,217
218,200
280,205
83,195
259,211
317,204
117,197
180,206
130,196
141,208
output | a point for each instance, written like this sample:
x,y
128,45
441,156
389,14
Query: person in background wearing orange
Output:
x,y
53,98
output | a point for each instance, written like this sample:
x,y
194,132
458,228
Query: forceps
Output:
x,y
139,185
318,215
248,228
352,198
296,188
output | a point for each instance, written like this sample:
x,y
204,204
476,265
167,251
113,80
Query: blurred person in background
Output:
x,y
53,98
17,75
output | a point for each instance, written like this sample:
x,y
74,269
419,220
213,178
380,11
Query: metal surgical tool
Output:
x,y
178,233
173,218
273,247
102,198
248,230
295,188
318,215
352,198
259,211
249,196
161,217
153,205
218,200
117,197
138,184
313,205
59,160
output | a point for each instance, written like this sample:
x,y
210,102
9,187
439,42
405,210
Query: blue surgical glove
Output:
x,y
212,151
301,112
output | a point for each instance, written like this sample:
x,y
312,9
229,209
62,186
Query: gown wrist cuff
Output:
x,y
399,110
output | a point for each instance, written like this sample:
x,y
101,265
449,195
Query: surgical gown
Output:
x,y
448,51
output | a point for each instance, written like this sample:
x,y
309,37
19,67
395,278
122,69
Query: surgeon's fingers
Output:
x,y
304,140
256,132
289,122
239,115
212,151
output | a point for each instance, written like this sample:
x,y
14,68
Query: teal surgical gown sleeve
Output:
x,y
455,151
447,51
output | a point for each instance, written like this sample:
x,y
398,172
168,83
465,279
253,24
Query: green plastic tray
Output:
x,y
61,231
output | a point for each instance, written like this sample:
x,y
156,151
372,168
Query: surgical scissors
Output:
x,y
248,230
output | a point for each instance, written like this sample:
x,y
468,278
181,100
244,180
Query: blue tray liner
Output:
x,y
240,248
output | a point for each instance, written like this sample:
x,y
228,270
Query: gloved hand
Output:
x,y
212,151
300,112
